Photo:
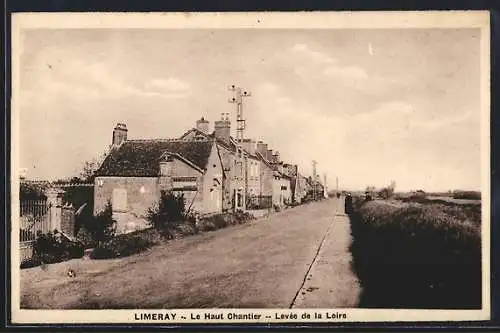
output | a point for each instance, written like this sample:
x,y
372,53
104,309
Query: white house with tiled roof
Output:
x,y
135,172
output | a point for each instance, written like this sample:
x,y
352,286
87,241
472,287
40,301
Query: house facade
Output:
x,y
282,194
240,161
135,172
234,167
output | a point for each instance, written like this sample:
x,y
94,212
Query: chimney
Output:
x,y
202,125
223,128
269,155
276,157
262,148
250,146
119,134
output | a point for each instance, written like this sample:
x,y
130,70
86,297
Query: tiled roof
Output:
x,y
229,146
140,158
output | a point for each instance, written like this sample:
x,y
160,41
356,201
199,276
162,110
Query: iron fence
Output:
x,y
34,220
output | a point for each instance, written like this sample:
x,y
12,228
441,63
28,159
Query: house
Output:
x,y
135,172
316,190
282,194
302,188
240,162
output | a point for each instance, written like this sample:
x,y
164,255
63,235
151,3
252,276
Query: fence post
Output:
x,y
54,199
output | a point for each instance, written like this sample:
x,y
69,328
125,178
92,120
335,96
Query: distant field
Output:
x,y
456,201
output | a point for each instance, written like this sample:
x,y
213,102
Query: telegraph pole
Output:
x,y
238,96
315,179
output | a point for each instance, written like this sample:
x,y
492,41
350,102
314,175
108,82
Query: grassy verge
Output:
x,y
410,255
140,241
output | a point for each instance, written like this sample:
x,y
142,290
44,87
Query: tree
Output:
x,y
91,166
388,191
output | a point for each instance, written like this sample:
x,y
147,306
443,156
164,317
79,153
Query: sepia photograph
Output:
x,y
250,167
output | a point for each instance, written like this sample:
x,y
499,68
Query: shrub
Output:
x,y
31,262
469,195
51,248
98,229
32,191
127,244
86,238
168,213
416,256
184,229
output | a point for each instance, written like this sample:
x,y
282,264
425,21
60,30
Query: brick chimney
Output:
x,y
269,155
222,128
119,134
262,148
276,157
202,125
249,145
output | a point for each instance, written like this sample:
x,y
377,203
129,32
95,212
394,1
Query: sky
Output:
x,y
370,106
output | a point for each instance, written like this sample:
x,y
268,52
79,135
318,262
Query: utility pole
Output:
x,y
238,96
315,179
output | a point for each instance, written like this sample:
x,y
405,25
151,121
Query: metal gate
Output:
x,y
34,220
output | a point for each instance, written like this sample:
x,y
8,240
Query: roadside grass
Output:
x,y
412,255
140,241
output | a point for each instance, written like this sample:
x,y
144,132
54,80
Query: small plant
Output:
x,y
168,213
98,229
127,244
51,248
86,238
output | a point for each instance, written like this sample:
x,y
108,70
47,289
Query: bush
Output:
x,y
168,213
127,244
31,262
32,191
416,256
224,220
468,195
51,248
86,238
98,229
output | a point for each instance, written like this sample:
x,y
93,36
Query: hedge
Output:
x,y
416,256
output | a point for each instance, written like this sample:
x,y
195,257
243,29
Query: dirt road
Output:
x,y
298,258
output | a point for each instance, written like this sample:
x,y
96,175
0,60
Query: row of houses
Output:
x,y
213,171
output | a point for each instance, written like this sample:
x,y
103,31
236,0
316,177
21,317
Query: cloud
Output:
x,y
169,85
324,66
318,57
78,79
349,72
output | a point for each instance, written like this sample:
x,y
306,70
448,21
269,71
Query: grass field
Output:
x,y
418,255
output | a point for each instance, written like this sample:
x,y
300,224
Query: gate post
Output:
x,y
54,199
